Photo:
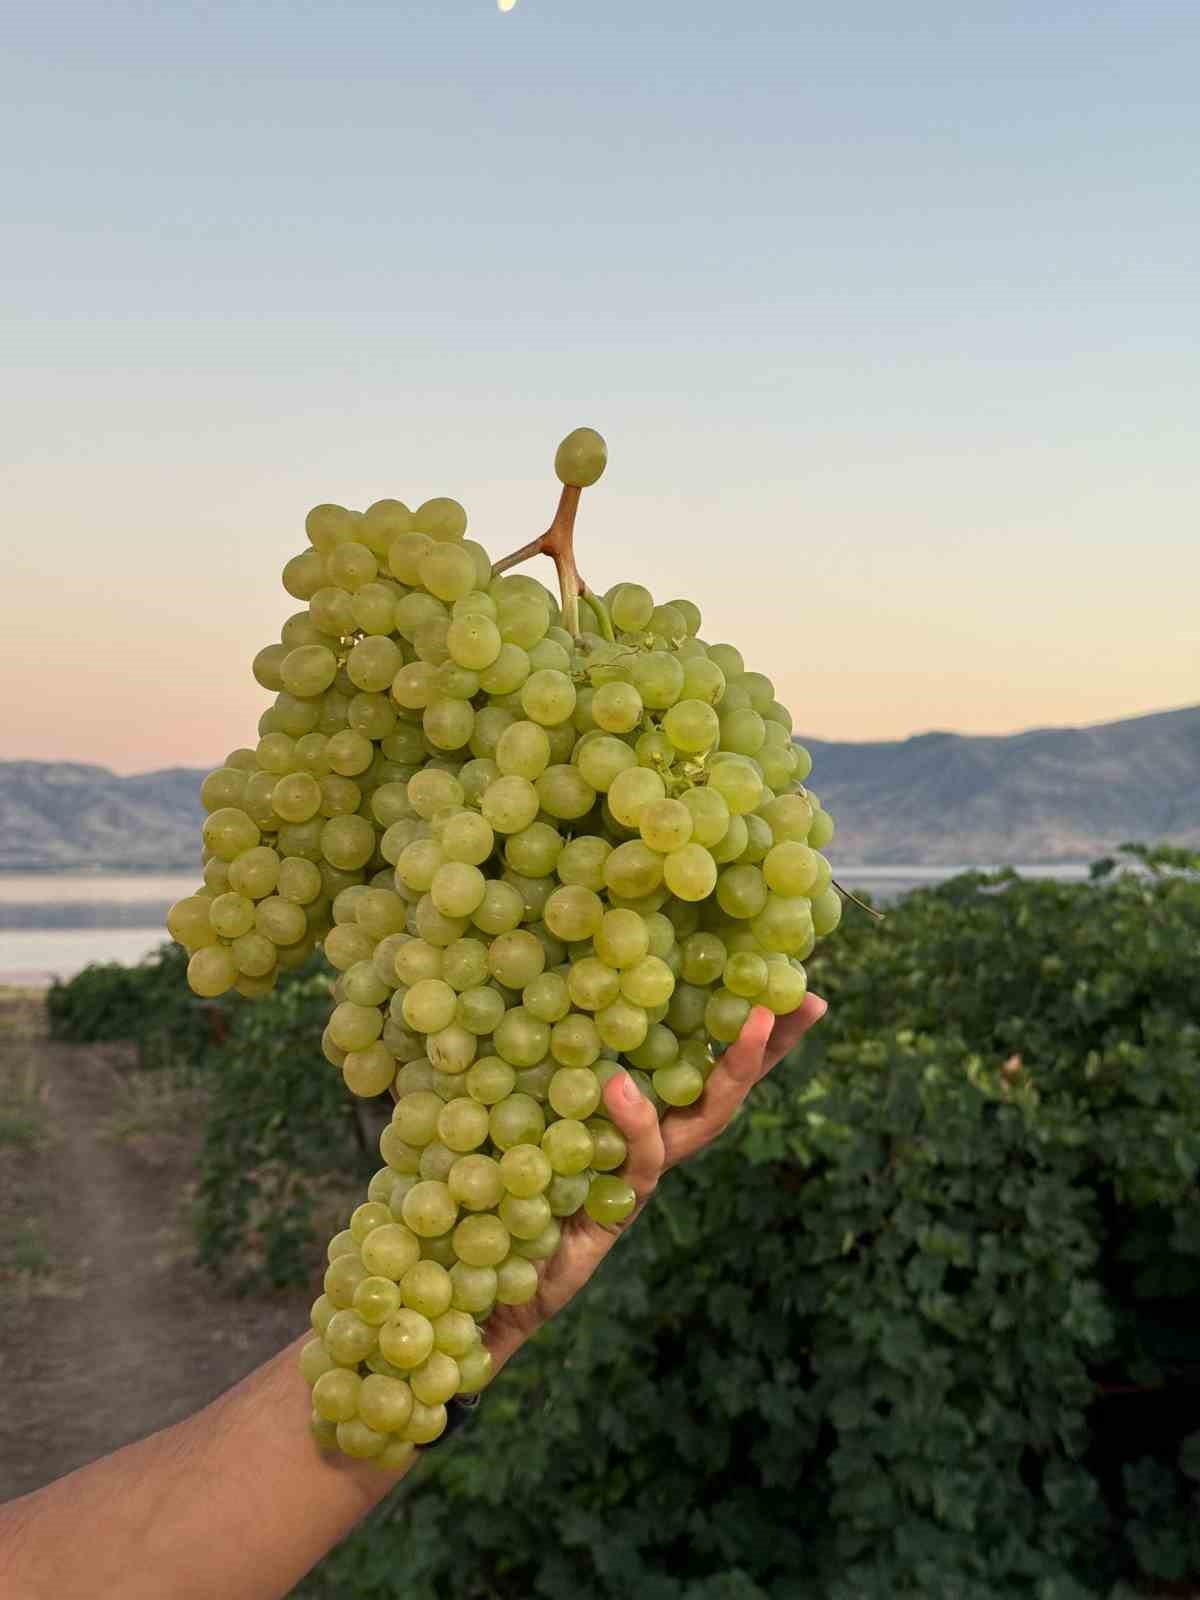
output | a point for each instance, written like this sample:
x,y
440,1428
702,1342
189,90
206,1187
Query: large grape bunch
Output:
x,y
536,838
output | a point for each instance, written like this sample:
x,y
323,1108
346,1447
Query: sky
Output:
x,y
888,313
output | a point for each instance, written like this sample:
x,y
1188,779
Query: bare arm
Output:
x,y
235,1502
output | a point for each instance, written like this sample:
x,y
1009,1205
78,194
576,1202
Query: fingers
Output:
x,y
763,1041
638,1121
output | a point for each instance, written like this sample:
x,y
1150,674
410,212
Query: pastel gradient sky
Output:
x,y
889,313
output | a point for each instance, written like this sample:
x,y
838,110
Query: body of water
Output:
x,y
54,924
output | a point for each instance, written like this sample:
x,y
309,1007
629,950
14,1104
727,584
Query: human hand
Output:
x,y
654,1147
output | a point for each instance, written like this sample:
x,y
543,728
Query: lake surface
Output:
x,y
54,924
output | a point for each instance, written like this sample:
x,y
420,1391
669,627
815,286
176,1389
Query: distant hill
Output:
x,y
938,799
62,815
1052,794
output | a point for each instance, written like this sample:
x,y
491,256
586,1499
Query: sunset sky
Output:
x,y
889,315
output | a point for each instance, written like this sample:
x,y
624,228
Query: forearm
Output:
x,y
236,1500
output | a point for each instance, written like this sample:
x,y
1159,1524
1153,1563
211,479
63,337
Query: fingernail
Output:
x,y
824,1004
629,1090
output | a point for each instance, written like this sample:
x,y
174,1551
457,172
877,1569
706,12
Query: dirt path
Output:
x,y
107,1331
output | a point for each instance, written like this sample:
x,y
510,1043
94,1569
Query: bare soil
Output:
x,y
107,1330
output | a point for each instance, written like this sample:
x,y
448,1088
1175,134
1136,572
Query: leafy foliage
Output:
x,y
924,1324
149,1004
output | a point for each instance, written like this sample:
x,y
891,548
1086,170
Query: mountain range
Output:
x,y
936,799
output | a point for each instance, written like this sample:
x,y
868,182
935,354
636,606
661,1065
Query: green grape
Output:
x,y
426,1288
790,868
356,1439
665,825
703,681
568,1146
592,984
632,791
690,872
547,997
741,891
481,1240
525,1216
211,971
441,518
369,1072
342,1244
548,697
622,1026
602,760
231,915
406,1339
581,458
521,1039
785,924
335,1395
429,1210
746,974
375,1300
525,1171
500,910
692,726
738,783
534,851
434,1167
385,1403
679,1085
435,1380
415,1117
456,888
354,1027
608,1145
480,1009
455,1333
732,843
322,1312
574,1093
786,987
430,1004
515,958
633,870
315,1361
821,832
563,792
649,982
523,750
658,678
189,923
510,804
518,1119
573,913
659,1048
575,1041
616,707
490,1080
473,1288
475,1181
389,1250
790,818
299,880
380,1186
547,1242
622,938
725,1015
610,1200
342,1277
462,1125
826,911
630,607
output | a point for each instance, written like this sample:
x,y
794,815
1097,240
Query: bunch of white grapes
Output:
x,y
529,856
